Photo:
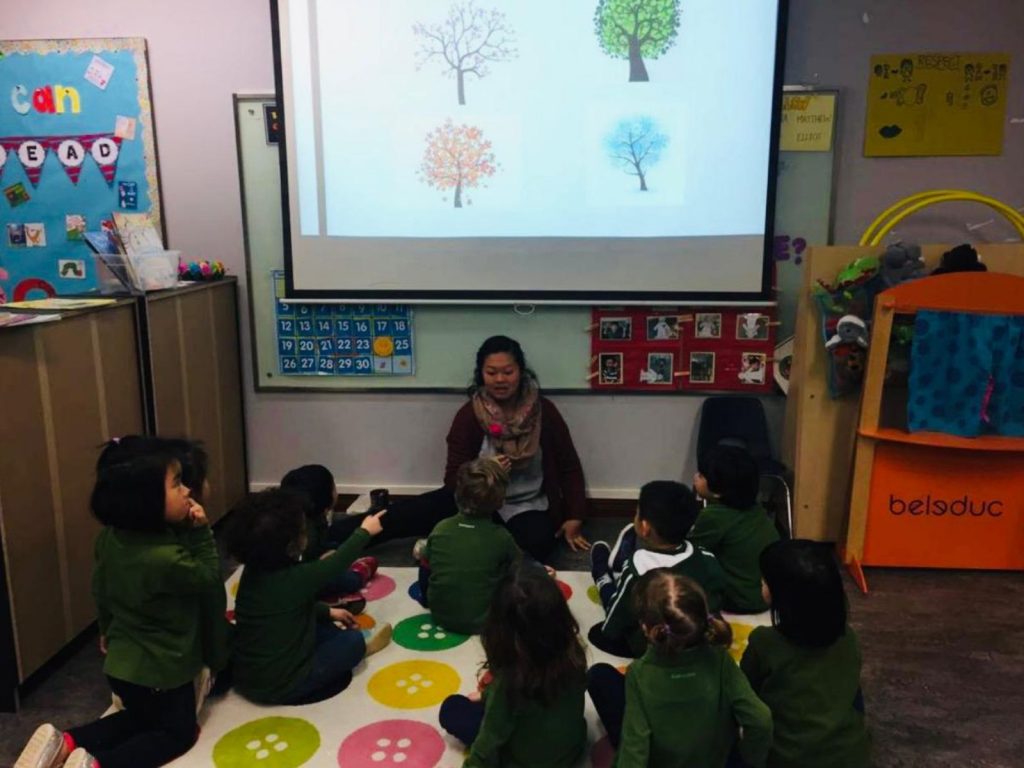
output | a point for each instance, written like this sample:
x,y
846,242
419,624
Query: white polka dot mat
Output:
x,y
388,715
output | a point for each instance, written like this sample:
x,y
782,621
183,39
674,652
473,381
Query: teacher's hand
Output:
x,y
572,531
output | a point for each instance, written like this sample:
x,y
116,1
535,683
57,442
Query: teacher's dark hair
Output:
x,y
496,345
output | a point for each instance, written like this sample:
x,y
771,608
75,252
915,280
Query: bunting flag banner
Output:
x,y
71,151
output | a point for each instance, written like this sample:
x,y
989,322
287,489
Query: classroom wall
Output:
x,y
202,52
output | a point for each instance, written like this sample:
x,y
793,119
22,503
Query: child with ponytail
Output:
x,y
685,702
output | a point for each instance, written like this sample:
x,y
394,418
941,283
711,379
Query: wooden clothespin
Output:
x,y
592,376
681,373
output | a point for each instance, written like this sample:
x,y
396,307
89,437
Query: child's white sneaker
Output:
x,y
81,759
45,749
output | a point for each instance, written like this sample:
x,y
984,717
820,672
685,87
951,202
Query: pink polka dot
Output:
x,y
380,586
405,743
602,755
566,589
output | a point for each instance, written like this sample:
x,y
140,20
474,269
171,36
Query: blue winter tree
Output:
x,y
635,145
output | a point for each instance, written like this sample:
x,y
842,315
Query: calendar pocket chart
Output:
x,y
342,339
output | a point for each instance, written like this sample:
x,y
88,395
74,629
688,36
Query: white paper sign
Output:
x,y
99,72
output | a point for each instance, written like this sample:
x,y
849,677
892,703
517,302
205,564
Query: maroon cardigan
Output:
x,y
563,474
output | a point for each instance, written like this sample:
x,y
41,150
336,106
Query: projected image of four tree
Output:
x,y
470,38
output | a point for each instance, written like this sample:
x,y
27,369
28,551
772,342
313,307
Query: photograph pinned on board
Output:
x,y
128,195
610,368
708,325
16,235
753,367
74,226
616,329
35,234
662,327
751,326
16,194
702,367
661,365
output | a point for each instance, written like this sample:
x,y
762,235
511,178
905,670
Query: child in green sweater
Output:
x,y
288,649
317,482
155,559
733,526
685,703
806,666
665,513
531,713
466,555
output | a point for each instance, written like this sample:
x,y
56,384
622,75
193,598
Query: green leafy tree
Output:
x,y
635,29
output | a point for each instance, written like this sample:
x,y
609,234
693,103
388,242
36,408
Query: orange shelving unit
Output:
x,y
927,499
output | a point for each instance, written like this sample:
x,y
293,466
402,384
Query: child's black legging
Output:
x,y
154,727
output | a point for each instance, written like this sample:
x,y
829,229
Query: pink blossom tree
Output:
x,y
457,157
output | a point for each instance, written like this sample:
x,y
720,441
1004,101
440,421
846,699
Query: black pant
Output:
x,y
615,646
607,689
154,727
417,516
462,718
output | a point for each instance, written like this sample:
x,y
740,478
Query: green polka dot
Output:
x,y
271,742
421,633
594,595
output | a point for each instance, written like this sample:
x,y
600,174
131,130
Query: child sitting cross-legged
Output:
x,y
734,526
665,513
467,555
288,649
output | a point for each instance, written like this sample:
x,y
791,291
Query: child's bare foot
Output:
x,y
379,640
45,749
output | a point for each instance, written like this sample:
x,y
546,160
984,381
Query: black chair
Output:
x,y
740,420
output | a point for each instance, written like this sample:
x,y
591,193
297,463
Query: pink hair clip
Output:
x,y
115,440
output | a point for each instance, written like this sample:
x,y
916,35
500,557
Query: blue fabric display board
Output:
x,y
967,374
342,339
76,144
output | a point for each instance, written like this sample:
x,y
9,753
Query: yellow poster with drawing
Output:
x,y
807,123
936,104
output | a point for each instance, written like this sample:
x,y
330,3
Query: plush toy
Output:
x,y
963,258
901,262
849,330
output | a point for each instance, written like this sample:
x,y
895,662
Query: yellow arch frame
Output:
x,y
899,210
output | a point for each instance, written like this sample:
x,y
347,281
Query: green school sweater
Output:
x,y
684,711
686,560
737,537
148,589
467,557
316,538
811,693
530,735
275,621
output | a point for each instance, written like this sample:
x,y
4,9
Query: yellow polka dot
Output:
x,y
383,346
403,685
740,635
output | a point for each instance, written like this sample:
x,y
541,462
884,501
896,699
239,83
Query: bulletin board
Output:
x,y
687,349
76,144
556,339
928,104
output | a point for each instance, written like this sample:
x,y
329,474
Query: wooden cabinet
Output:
x,y
197,385
68,386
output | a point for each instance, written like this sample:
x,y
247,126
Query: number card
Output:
x,y
342,339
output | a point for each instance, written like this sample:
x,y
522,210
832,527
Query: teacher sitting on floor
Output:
x,y
509,419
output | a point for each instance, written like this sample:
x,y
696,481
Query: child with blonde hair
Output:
x,y
466,555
